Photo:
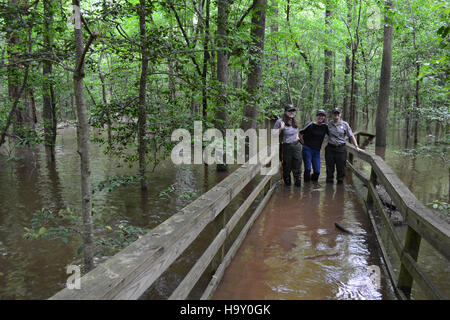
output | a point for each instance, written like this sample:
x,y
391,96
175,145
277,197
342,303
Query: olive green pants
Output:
x,y
292,161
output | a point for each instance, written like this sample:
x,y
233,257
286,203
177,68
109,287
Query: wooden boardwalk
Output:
x,y
294,250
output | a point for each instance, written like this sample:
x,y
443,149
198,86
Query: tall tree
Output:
x,y
354,85
347,85
328,69
223,9
417,82
385,78
254,80
48,96
105,98
142,113
83,133
206,58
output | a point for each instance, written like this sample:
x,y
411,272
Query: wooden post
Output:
x,y
223,225
350,158
412,246
373,181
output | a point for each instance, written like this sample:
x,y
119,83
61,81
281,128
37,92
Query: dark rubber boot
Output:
x,y
307,176
315,176
298,182
287,181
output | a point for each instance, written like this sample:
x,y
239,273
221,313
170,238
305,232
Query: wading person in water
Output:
x,y
335,151
311,136
291,153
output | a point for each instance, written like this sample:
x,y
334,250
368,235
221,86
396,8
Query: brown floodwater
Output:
x,y
37,269
427,176
294,250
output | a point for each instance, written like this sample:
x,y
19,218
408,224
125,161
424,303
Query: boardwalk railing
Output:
x,y
129,273
422,223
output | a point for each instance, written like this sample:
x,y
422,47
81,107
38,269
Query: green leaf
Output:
x,y
80,250
42,230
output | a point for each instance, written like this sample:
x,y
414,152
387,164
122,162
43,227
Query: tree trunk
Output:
x,y
205,61
255,64
354,85
385,80
223,9
104,95
407,120
366,89
347,86
417,63
83,139
436,131
328,72
48,103
32,108
13,72
274,57
142,113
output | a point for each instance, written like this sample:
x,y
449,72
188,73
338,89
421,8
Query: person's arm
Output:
x,y
279,125
302,132
300,138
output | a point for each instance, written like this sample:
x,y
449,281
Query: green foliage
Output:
x,y
441,206
165,193
66,225
430,151
111,183
187,194
51,225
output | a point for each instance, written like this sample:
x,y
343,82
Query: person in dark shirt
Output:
x,y
311,136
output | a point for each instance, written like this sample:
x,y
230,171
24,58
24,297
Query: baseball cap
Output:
x,y
321,112
337,110
289,107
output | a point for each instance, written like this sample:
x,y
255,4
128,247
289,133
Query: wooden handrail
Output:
x,y
129,273
421,221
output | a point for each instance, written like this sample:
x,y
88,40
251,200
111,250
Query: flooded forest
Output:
x,y
91,93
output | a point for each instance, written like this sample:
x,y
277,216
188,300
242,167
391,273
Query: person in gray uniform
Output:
x,y
335,151
291,152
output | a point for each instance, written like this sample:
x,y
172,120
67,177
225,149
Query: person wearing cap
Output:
x,y
311,136
291,153
335,151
